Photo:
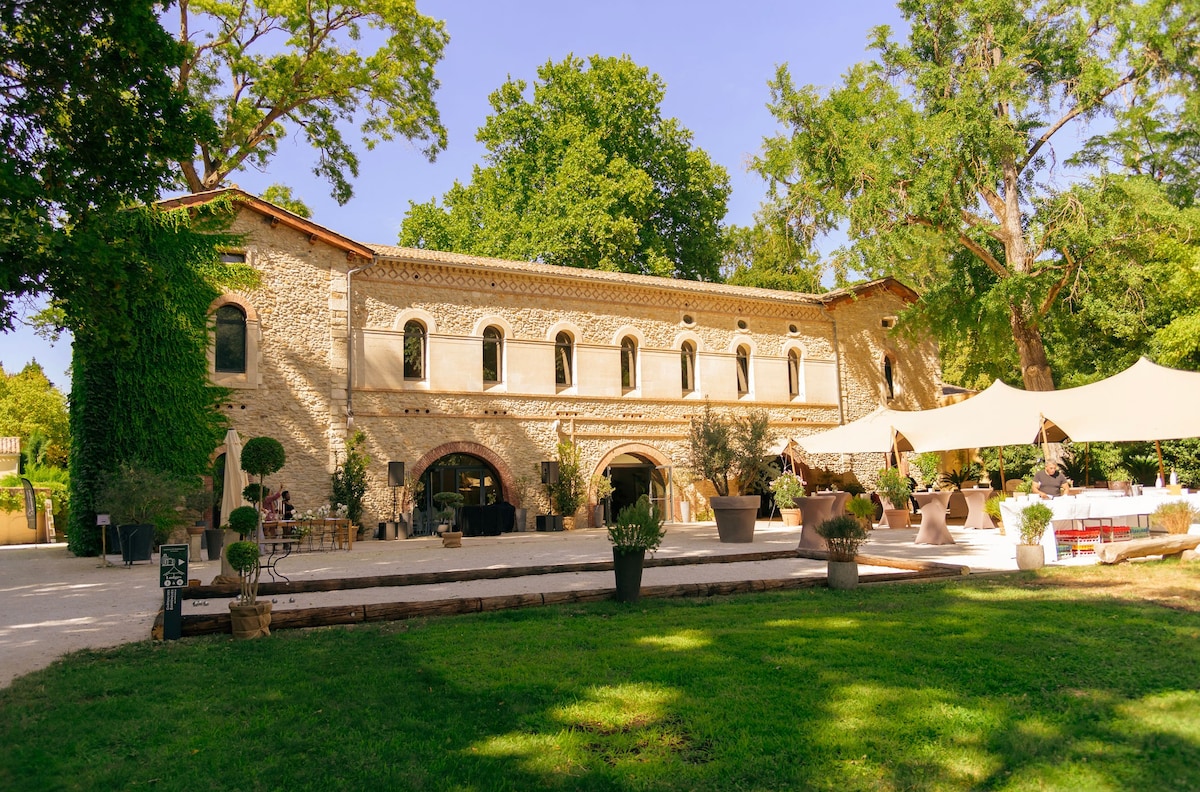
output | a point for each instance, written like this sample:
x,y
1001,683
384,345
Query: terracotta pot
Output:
x,y
735,515
250,621
896,518
791,517
627,566
842,574
451,538
1030,556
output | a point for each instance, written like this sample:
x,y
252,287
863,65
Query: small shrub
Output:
x,y
243,557
244,520
787,488
895,487
844,534
638,526
1175,516
862,508
1034,519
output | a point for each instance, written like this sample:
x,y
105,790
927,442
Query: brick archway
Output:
x,y
507,488
650,453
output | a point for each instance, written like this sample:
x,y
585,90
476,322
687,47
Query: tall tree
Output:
x,y
260,66
586,172
939,155
32,409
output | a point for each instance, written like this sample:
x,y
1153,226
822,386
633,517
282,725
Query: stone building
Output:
x,y
471,370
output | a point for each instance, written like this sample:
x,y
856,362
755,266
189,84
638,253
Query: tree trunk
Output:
x,y
1035,368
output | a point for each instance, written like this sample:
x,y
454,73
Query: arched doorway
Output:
x,y
634,475
468,475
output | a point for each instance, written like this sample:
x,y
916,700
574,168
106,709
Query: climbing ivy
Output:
x,y
140,393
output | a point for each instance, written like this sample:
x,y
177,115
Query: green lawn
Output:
x,y
1068,680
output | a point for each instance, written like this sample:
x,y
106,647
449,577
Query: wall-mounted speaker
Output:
x,y
395,474
549,472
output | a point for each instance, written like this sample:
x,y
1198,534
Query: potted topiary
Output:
x,y
1175,516
250,618
262,456
243,521
897,489
862,507
787,488
638,529
720,450
448,503
1034,519
844,534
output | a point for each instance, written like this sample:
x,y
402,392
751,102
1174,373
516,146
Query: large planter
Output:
x,y
735,515
791,517
520,519
451,538
549,522
685,512
842,574
137,542
896,518
250,621
1031,556
627,566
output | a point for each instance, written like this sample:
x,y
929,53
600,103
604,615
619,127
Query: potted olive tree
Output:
x,y
896,488
250,618
638,529
844,534
602,489
787,488
570,492
144,505
1034,519
448,505
722,450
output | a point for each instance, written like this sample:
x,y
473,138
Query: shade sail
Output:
x,y
998,416
873,432
1144,402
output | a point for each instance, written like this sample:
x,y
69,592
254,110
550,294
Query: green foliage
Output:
x,y
844,534
720,448
959,476
571,490
585,173
1034,519
787,487
255,493
133,495
302,64
262,456
768,255
895,487
76,155
927,466
349,483
1175,516
281,196
139,388
752,439
243,557
244,520
639,526
861,507
991,506
448,503
32,409
710,451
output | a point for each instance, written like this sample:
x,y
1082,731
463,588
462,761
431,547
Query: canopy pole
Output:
x,y
895,448
1003,481
1087,466
1162,472
1045,443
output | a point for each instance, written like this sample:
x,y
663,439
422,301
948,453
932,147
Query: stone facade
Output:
x,y
308,369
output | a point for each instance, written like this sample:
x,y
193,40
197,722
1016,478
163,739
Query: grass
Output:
x,y
1068,679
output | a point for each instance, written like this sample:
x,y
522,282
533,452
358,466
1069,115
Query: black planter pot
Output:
x,y
549,522
214,539
137,541
627,566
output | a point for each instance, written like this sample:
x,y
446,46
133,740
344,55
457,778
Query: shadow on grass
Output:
x,y
982,685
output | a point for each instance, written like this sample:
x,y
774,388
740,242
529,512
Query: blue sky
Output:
x,y
714,57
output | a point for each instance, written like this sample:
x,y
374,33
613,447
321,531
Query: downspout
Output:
x,y
350,341
837,366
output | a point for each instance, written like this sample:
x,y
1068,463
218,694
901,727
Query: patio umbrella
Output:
x,y
234,482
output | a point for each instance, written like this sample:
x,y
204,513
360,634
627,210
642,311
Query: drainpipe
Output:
x,y
837,366
350,342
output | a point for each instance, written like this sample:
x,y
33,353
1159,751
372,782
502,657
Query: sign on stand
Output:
x,y
172,576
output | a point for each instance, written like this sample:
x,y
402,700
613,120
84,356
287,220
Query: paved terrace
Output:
x,y
52,602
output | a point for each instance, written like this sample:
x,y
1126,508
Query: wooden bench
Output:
x,y
1170,545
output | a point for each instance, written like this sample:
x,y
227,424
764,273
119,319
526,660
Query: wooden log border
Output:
x,y
298,618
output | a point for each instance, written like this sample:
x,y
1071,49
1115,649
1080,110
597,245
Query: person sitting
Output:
x,y
1050,482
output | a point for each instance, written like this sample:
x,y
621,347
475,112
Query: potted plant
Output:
x,y
261,456
788,488
410,493
1034,519
721,449
448,503
250,618
638,529
349,481
863,508
522,489
1175,516
991,507
844,534
896,488
602,488
569,492
144,505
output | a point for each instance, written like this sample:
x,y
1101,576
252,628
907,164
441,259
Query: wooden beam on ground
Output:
x,y
1170,545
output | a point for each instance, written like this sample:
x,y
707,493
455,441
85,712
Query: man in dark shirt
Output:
x,y
1050,482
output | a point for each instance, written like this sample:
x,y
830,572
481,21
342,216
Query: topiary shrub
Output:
x,y
844,534
262,456
243,557
244,520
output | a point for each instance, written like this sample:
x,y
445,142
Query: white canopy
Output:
x,y
873,432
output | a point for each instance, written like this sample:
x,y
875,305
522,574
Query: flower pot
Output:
x,y
1030,556
627,566
791,517
250,621
735,515
685,512
598,516
842,574
452,538
896,518
137,542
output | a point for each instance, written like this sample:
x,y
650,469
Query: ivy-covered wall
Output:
x,y
139,389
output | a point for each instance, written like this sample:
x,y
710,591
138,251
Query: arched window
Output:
x,y
628,362
493,354
230,340
687,366
564,355
743,370
414,350
793,373
889,383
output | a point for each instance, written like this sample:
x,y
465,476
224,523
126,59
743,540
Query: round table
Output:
x,y
933,518
814,510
